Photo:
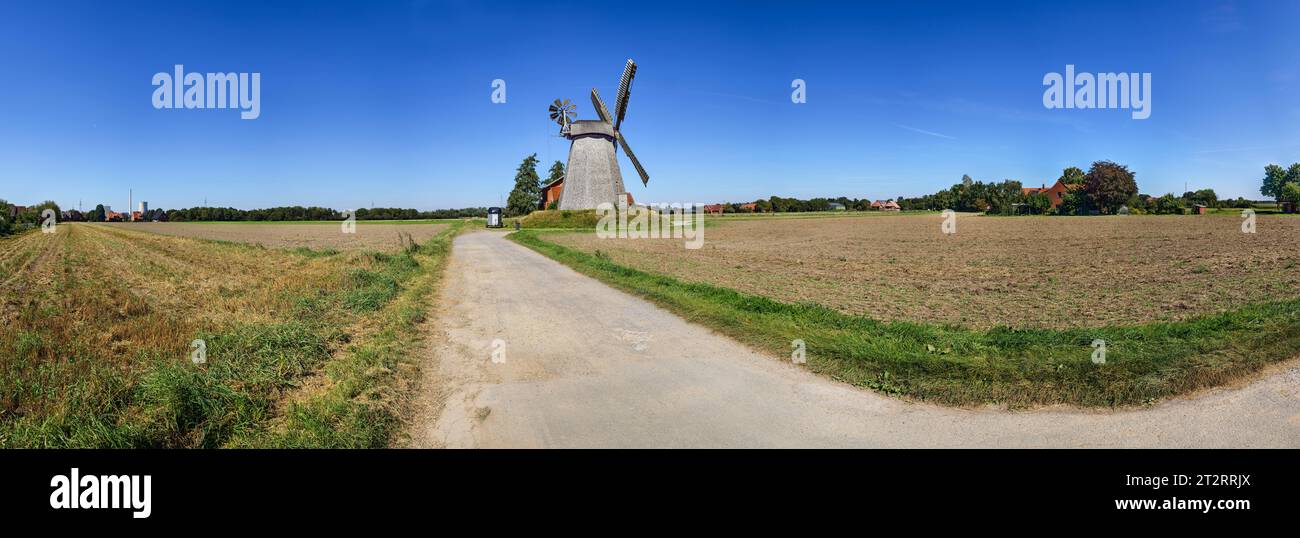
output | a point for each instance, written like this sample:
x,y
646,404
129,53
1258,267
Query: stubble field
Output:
x,y
300,347
379,237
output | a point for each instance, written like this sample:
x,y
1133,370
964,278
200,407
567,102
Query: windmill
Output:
x,y
593,176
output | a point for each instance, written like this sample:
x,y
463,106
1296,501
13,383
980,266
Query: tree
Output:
x,y
1038,203
1073,176
97,215
1276,179
556,172
1168,205
6,224
1075,202
1000,196
1204,196
1110,185
527,192
1290,193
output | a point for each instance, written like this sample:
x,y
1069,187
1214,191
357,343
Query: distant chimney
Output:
x,y
144,208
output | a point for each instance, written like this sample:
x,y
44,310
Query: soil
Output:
x,y
1014,271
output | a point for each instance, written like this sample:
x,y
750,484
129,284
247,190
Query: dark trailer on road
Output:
x,y
494,218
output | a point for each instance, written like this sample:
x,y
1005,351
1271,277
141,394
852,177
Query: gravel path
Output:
x,y
584,365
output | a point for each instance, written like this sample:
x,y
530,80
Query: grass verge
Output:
x,y
363,394
958,366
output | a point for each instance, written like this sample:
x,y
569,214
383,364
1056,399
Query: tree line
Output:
x,y
1106,188
30,217
299,213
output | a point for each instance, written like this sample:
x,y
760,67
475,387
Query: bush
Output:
x,y
1168,205
567,218
6,225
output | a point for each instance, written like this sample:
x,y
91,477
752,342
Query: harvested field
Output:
x,y
99,328
1049,272
383,237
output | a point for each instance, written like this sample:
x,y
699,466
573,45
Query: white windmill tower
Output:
x,y
592,176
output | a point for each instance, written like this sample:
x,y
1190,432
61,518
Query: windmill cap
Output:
x,y
591,127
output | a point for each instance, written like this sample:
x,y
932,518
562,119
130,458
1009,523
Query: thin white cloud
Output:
x,y
1247,148
1223,18
738,97
925,132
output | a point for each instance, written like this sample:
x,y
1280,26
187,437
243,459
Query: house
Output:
x,y
551,193
750,207
715,209
15,210
890,206
1055,194
1198,209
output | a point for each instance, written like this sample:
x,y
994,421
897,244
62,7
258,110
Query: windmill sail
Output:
x,y
645,178
624,92
599,104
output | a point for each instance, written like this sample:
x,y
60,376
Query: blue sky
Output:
x,y
389,103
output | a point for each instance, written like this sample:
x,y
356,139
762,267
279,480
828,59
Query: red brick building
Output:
x,y
551,193
1055,194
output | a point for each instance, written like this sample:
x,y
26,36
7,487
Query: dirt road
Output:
x,y
579,364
